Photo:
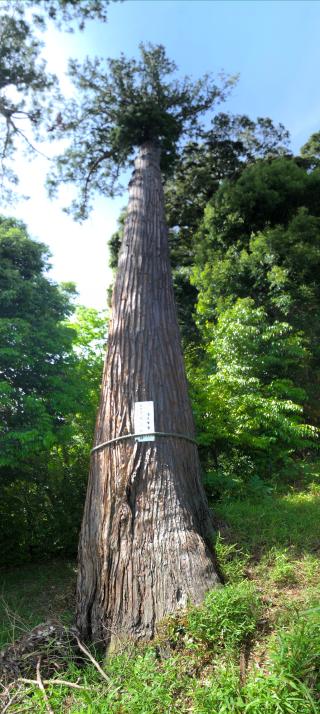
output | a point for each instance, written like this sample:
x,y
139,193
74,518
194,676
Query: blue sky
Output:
x,y
273,45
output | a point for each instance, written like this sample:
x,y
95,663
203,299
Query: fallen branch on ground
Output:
x,y
92,659
63,682
41,686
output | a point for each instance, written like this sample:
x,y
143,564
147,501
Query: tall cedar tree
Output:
x,y
223,151
146,545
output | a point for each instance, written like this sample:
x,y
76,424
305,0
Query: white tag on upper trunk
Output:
x,y
144,421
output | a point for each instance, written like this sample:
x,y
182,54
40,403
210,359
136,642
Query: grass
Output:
x,y
286,520
252,647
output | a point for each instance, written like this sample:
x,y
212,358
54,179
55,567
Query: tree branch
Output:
x,y
62,682
41,686
92,659
93,167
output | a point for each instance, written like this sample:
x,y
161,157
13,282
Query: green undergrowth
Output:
x,y
254,644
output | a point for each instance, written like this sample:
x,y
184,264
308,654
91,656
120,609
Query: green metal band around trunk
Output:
x,y
135,436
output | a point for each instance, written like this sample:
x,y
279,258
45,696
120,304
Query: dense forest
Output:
x,y
243,217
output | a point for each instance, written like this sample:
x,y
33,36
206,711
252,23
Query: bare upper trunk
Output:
x,y
146,541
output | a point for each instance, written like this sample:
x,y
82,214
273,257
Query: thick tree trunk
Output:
x,y
146,541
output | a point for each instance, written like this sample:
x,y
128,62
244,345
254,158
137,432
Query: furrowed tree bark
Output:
x,y
146,546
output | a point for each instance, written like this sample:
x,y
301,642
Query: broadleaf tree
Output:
x,y
37,388
260,238
146,546
245,391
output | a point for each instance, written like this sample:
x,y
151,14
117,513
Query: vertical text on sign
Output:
x,y
144,421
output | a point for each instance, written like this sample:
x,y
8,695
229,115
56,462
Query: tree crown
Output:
x,y
123,104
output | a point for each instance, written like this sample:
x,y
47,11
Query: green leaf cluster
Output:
x,y
244,393
227,618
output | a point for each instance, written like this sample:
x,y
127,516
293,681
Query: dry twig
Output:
x,y
17,697
41,686
92,659
11,700
63,682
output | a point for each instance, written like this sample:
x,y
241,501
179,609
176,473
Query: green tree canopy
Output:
x,y
35,346
266,194
222,152
311,149
50,373
260,239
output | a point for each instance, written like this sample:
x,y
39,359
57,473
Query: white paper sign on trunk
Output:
x,y
144,420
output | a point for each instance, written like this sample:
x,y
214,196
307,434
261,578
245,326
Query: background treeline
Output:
x,y
50,372
244,221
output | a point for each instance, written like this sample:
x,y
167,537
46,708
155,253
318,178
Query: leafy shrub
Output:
x,y
296,653
235,476
277,695
227,618
292,685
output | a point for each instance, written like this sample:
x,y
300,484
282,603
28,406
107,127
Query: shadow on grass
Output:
x,y
33,593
